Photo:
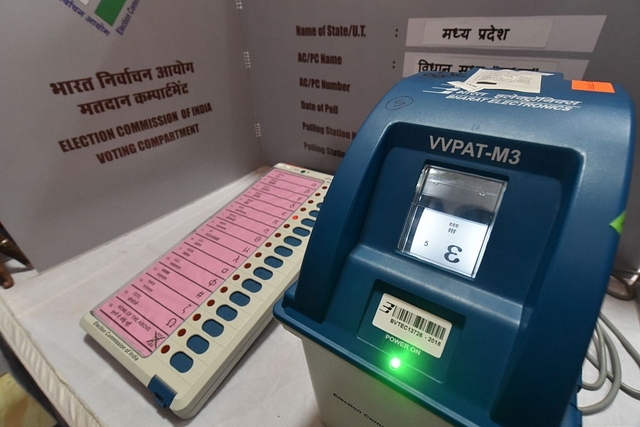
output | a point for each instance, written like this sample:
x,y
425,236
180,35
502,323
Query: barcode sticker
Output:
x,y
413,325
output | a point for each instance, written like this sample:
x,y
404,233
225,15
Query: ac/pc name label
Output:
x,y
475,150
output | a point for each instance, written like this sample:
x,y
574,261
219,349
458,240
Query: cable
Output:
x,y
601,339
630,349
601,358
615,383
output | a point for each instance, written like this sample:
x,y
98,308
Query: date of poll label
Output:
x,y
449,241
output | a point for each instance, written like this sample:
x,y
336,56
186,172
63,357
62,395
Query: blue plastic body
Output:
x,y
521,327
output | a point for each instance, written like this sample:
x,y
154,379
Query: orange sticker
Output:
x,y
592,86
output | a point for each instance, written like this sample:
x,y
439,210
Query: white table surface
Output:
x,y
269,387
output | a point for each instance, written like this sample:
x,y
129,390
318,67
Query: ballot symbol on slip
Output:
x,y
154,341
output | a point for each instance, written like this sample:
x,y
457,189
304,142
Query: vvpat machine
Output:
x,y
457,267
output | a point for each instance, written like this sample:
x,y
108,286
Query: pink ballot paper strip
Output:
x,y
157,301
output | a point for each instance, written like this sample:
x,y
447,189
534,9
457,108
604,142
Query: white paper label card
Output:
x,y
520,81
557,33
504,32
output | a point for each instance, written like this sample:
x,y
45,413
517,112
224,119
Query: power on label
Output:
x,y
413,325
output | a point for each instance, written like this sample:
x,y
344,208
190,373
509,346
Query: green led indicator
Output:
x,y
395,363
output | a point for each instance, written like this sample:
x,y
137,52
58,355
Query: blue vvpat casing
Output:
x,y
518,328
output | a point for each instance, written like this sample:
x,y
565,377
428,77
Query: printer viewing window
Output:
x,y
451,218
